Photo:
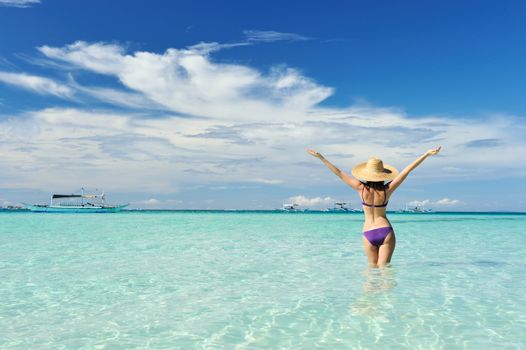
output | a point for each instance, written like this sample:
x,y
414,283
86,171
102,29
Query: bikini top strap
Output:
x,y
384,204
363,199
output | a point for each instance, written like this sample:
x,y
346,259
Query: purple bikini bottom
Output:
x,y
377,236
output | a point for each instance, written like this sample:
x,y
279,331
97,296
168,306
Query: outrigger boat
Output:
x,y
85,204
292,208
341,207
416,209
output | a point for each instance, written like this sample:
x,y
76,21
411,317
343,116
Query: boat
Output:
x,y
341,207
76,203
292,208
415,209
13,208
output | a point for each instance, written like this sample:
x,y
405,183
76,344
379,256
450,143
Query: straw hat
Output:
x,y
374,170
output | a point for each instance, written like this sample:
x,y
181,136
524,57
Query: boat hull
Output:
x,y
404,211
75,209
346,210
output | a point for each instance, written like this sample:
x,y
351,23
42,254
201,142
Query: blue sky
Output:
x,y
212,104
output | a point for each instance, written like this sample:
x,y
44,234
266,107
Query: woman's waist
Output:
x,y
377,223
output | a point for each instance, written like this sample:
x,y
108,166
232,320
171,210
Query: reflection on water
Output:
x,y
375,300
379,279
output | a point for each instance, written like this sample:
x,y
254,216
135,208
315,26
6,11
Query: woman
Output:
x,y
378,235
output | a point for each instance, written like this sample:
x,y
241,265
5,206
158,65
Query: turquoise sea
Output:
x,y
245,280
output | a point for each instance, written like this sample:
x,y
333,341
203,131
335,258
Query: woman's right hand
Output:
x,y
434,151
314,153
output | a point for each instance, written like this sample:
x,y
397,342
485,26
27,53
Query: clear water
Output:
x,y
172,280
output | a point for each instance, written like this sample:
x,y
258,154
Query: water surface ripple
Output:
x,y
176,280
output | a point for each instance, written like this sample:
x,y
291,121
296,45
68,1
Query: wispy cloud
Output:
x,y
271,36
266,181
40,85
118,97
151,201
481,143
157,203
71,89
206,48
6,63
19,3
188,82
447,201
440,202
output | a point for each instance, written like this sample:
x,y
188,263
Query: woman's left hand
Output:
x,y
434,151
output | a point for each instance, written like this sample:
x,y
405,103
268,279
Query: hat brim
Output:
x,y
360,172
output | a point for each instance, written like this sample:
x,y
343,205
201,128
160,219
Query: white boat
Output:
x,y
415,209
76,203
292,207
13,208
342,207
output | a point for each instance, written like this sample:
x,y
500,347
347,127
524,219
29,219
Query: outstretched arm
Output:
x,y
351,181
393,185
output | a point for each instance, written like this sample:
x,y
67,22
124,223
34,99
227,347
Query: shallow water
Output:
x,y
202,280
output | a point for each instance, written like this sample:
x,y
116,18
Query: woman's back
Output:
x,y
374,196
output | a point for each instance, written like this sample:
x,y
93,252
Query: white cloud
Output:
x,y
207,48
440,202
186,81
40,85
154,203
267,181
118,98
251,126
271,36
151,201
19,3
312,202
67,148
447,201
419,203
